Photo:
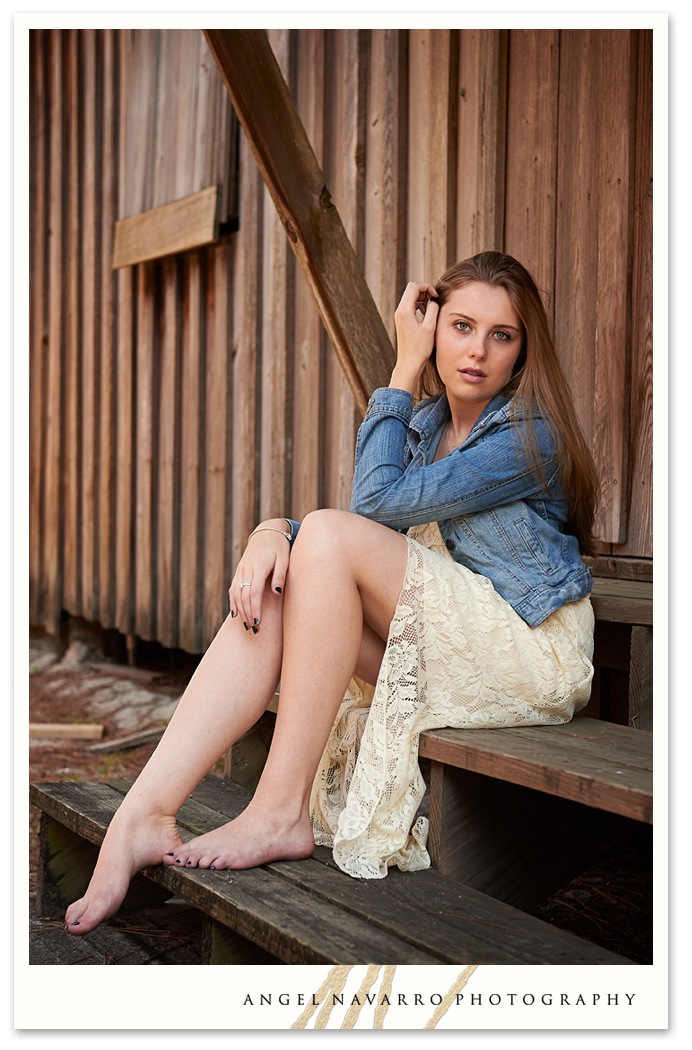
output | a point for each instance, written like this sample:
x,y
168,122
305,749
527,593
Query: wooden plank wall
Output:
x,y
175,403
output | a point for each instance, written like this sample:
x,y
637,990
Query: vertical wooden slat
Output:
x,y
218,475
39,175
639,524
428,151
106,399
308,331
89,322
246,267
72,586
611,408
125,414
190,633
532,154
147,389
167,546
276,306
347,147
481,143
52,528
385,173
576,262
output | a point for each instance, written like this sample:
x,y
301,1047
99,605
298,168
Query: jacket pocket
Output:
x,y
534,546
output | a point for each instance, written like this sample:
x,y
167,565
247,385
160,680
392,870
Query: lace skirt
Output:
x,y
457,655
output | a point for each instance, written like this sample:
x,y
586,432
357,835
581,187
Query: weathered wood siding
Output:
x,y
175,403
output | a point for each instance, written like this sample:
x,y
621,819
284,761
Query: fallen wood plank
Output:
x,y
62,731
297,185
145,736
178,226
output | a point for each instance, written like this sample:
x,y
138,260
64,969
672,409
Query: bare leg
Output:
x,y
344,570
345,578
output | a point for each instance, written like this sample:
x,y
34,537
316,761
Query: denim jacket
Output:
x,y
494,515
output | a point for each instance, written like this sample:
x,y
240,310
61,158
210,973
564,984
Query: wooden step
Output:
x,y
308,911
602,765
623,601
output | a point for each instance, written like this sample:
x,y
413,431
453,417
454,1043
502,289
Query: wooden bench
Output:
x,y
297,912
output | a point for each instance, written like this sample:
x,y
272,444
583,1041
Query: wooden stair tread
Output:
x,y
421,916
597,763
623,601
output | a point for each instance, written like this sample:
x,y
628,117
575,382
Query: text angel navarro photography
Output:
x,y
435,999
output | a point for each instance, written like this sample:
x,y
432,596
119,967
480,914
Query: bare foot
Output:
x,y
131,843
246,842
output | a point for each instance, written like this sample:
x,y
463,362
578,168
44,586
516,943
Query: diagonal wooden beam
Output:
x,y
297,186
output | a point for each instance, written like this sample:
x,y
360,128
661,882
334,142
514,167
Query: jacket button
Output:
x,y
449,544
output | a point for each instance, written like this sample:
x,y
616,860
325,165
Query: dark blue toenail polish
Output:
x,y
169,854
75,923
212,867
188,863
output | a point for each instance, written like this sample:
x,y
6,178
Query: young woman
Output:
x,y
453,595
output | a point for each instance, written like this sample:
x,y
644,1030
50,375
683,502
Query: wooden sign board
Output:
x,y
174,227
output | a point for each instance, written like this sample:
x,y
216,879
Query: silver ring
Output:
x,y
245,585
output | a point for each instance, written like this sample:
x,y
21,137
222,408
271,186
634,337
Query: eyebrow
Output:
x,y
465,317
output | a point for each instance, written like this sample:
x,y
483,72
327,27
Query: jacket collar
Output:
x,y
432,413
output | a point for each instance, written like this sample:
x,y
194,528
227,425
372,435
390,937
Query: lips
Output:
x,y
473,372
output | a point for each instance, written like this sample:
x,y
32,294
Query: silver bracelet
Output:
x,y
270,528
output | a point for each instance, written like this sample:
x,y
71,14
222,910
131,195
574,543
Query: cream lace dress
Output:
x,y
457,655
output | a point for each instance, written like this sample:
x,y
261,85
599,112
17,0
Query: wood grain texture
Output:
x,y
38,335
189,222
168,465
416,915
106,393
216,424
146,484
90,323
191,463
427,255
623,601
55,373
482,141
600,764
491,836
246,266
611,410
290,170
576,262
309,335
640,472
386,172
532,119
74,443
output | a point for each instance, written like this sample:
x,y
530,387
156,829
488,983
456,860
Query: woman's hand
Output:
x,y
266,556
416,319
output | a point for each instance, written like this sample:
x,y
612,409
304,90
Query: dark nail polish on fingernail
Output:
x,y
245,626
254,630
256,622
279,591
232,614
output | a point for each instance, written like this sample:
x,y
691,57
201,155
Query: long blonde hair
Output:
x,y
537,385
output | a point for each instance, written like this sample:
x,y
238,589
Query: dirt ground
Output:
x,y
611,904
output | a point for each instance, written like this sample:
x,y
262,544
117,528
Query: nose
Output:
x,y
477,348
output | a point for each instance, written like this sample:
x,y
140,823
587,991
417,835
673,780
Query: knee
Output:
x,y
322,531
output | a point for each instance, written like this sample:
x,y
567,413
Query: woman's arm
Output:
x,y
485,474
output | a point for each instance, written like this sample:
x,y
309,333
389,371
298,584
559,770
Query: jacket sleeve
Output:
x,y
488,472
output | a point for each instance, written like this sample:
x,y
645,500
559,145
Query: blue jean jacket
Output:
x,y
494,515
